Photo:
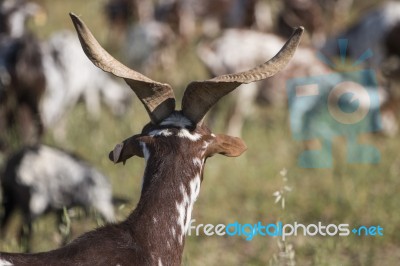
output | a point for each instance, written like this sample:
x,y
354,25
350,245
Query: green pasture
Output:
x,y
240,189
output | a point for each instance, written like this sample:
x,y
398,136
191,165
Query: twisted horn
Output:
x,y
158,98
200,96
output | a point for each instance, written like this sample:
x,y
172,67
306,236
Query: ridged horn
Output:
x,y
200,96
158,98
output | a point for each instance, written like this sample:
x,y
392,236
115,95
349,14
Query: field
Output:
x,y
242,189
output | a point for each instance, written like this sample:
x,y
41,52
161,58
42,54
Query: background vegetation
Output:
x,y
241,189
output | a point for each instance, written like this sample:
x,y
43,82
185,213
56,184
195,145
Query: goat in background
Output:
x,y
376,31
70,76
145,42
220,57
21,76
369,32
39,179
42,81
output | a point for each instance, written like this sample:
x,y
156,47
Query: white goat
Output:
x,y
70,76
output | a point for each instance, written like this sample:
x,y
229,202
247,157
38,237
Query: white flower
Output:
x,y
287,188
283,172
277,195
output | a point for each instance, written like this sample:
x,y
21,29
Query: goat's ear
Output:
x,y
226,145
128,148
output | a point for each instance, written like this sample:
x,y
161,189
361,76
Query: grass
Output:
x,y
241,189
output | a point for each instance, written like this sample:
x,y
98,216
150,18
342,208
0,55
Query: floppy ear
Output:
x,y
226,145
128,148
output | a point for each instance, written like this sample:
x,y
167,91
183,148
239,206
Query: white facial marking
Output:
x,y
160,132
212,135
184,133
160,262
5,263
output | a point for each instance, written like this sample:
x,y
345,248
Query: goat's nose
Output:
x,y
111,156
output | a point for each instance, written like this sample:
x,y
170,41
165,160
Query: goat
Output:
x,y
25,87
220,57
150,44
70,76
151,38
14,16
175,145
64,72
317,16
369,32
40,178
308,12
377,31
121,14
212,16
22,78
145,41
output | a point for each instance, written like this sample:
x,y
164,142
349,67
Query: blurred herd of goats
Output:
x,y
42,80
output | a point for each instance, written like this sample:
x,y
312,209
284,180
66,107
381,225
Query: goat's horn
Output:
x,y
158,98
200,96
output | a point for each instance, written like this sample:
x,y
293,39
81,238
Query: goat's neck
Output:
x,y
170,188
